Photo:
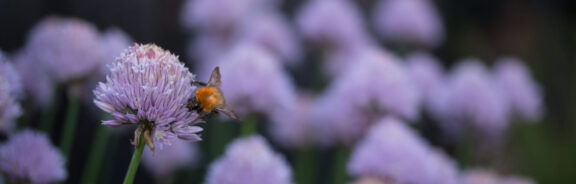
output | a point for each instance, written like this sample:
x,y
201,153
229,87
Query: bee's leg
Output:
x,y
193,105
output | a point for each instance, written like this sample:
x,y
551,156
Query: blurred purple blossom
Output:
x,y
30,157
162,163
149,87
273,31
69,47
426,72
471,99
250,161
254,81
113,41
219,15
376,86
205,50
295,128
9,73
333,23
391,151
9,94
409,22
35,78
516,82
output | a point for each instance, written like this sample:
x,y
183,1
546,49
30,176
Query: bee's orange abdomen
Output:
x,y
208,97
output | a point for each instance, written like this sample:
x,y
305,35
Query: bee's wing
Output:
x,y
215,78
227,109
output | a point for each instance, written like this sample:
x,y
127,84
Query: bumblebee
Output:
x,y
208,99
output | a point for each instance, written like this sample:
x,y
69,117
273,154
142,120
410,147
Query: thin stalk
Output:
x,y
305,166
133,167
339,173
67,139
95,159
249,126
49,114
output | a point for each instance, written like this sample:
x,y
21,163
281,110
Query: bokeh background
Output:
x,y
540,32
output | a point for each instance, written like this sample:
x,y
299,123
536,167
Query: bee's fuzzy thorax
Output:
x,y
208,97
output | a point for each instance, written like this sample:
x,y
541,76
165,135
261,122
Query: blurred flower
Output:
x,y
219,15
524,94
114,41
295,128
164,162
205,50
471,99
409,22
149,87
426,71
376,86
255,82
391,151
9,106
9,73
335,23
273,32
30,157
250,160
35,78
69,47
483,176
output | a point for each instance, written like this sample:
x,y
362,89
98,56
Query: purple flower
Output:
x,y
249,160
9,73
255,82
70,48
9,106
273,32
483,176
391,151
30,157
409,21
113,41
219,15
337,61
375,86
149,87
164,162
335,23
295,128
524,94
426,71
471,99
36,80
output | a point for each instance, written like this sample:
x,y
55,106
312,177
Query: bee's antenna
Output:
x,y
200,83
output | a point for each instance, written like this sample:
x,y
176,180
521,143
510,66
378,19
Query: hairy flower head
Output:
x,y
149,87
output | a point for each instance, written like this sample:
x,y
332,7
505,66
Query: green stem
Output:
x,y
49,114
97,152
69,125
305,168
249,126
339,172
133,167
